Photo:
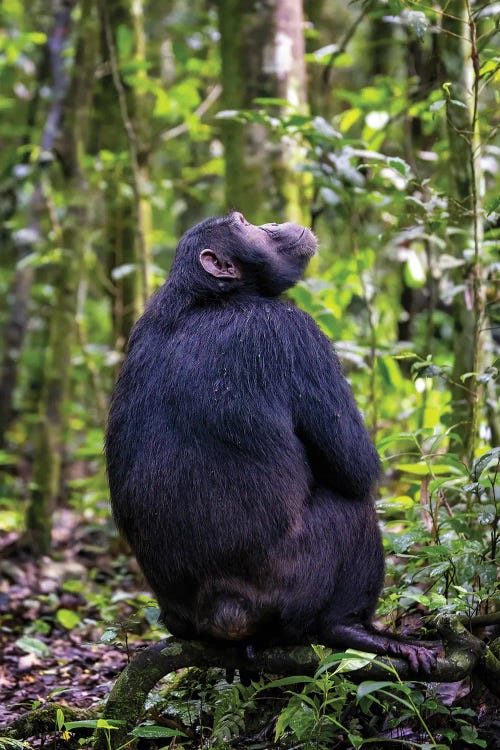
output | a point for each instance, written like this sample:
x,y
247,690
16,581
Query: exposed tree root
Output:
x,y
464,655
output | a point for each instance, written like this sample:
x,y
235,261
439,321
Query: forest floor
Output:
x,y
52,615
69,623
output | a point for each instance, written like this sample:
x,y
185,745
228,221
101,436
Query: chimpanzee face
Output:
x,y
267,259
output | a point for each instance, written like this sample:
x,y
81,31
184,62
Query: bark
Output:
x,y
262,49
62,330
472,342
465,655
125,127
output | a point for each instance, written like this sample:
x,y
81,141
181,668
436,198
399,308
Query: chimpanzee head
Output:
x,y
228,255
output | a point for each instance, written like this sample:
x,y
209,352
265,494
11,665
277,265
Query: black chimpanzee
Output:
x,y
240,469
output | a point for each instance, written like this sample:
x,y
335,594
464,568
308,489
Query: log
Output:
x,y
464,655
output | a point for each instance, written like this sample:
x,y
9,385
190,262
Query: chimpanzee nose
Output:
x,y
239,217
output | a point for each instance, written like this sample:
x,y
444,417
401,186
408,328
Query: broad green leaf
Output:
x,y
423,470
33,646
156,731
371,686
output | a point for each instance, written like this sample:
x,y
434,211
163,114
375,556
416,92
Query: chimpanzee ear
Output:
x,y
217,265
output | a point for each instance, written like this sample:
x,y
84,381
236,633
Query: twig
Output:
x,y
343,45
183,127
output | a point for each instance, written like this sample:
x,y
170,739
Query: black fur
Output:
x,y
240,469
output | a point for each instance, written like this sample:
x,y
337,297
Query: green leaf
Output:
x,y
124,43
436,106
485,462
154,731
371,686
83,724
68,618
59,719
109,635
422,470
402,542
400,166
353,663
229,114
285,681
349,118
95,724
271,101
33,646
36,37
344,661
415,272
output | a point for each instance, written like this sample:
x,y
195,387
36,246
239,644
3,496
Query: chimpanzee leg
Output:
x,y
178,627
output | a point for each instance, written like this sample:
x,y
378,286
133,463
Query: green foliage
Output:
x,y
322,711
395,252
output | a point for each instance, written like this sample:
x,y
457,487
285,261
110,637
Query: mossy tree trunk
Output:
x,y
18,297
262,48
460,69
67,278
124,127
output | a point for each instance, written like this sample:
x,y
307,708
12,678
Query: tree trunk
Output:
x,y
125,127
49,439
19,294
460,65
262,48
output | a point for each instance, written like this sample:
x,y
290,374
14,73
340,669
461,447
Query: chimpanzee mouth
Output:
x,y
305,246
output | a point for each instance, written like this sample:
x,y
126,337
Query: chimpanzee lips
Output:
x,y
306,244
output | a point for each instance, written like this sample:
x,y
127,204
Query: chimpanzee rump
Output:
x,y
240,469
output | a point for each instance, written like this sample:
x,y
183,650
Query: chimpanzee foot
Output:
x,y
422,658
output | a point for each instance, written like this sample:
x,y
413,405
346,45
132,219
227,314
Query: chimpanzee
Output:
x,y
240,469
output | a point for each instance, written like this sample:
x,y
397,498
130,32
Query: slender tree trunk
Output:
x,y
459,57
19,294
48,447
125,124
262,47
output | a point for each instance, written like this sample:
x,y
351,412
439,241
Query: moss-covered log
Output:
x,y
464,655
43,720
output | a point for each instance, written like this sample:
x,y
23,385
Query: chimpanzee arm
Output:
x,y
327,419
